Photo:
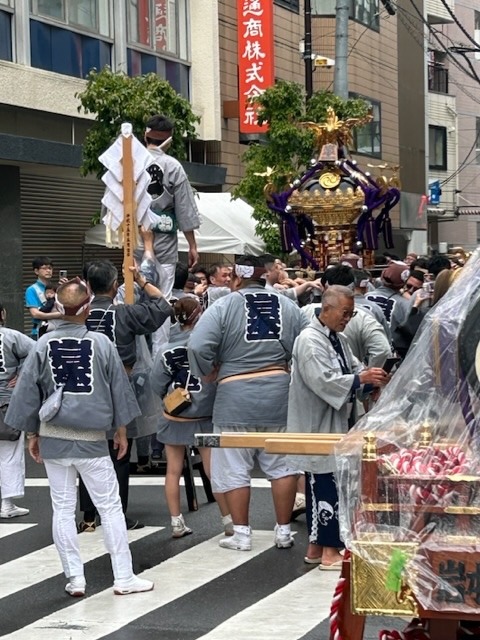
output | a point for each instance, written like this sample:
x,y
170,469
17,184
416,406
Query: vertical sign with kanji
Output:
x,y
161,25
255,58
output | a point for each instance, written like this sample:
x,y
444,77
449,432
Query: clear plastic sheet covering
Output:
x,y
408,473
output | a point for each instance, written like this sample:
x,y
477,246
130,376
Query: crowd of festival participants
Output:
x,y
228,348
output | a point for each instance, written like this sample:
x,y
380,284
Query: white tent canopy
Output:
x,y
227,227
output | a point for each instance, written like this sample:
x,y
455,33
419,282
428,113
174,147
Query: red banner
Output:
x,y
255,58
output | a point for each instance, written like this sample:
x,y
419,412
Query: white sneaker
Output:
x,y
134,585
179,528
14,512
238,541
76,586
283,539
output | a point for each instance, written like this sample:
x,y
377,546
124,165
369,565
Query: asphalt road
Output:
x,y
201,591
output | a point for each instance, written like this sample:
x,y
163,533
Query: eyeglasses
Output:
x,y
346,313
46,267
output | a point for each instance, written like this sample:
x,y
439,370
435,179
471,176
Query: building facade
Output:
x,y
461,38
48,46
46,49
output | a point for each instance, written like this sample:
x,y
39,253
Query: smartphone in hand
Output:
x,y
62,273
389,364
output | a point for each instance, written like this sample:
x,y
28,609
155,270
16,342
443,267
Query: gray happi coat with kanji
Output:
x,y
244,332
97,393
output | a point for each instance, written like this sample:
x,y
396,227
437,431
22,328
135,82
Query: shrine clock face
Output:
x,y
469,347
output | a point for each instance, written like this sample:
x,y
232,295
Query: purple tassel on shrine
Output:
x,y
370,237
388,233
285,239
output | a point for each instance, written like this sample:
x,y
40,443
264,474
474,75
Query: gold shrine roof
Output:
x,y
328,200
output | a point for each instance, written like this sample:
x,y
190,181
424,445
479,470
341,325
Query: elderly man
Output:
x,y
245,340
366,336
96,397
325,378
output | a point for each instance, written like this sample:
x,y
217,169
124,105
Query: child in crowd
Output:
x,y
47,306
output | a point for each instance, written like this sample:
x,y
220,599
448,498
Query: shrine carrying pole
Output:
x,y
129,217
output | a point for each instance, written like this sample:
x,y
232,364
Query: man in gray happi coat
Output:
x,y
96,397
173,201
325,378
245,340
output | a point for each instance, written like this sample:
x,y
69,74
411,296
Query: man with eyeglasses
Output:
x,y
35,294
325,378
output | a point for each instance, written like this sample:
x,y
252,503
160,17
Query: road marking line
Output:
x,y
104,613
296,609
14,527
40,565
150,481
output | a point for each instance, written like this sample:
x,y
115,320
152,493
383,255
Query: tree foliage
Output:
x,y
286,148
115,98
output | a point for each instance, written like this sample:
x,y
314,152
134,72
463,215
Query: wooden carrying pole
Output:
x,y
315,443
129,218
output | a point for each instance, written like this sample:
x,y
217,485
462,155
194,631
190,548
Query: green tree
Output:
x,y
286,149
115,98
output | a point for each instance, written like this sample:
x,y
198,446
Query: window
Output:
x,y
159,25
7,3
54,48
367,12
5,35
88,15
437,72
367,139
437,147
293,5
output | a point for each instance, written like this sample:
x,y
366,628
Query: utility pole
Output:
x,y
340,79
307,53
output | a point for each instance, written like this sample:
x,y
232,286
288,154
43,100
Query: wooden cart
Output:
x,y
455,558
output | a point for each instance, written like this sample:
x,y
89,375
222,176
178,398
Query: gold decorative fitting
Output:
x,y
471,511
426,434
329,179
370,566
334,130
369,451
377,506
329,207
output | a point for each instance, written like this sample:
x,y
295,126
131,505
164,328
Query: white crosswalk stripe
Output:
x,y
40,565
104,613
293,610
297,608
13,527
151,481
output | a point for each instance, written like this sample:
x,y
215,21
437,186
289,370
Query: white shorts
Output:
x,y
231,468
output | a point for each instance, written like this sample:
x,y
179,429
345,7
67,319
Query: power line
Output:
x,y
459,24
